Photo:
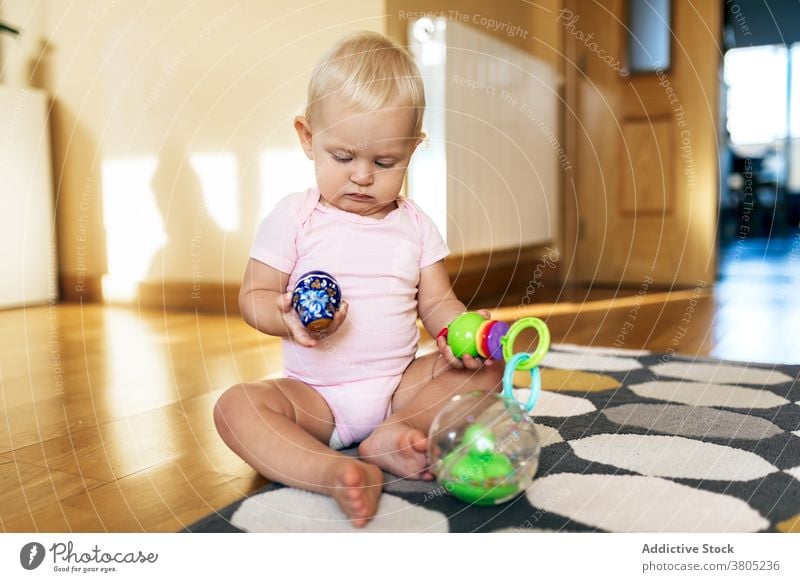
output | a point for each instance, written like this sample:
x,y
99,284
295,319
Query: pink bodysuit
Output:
x,y
377,263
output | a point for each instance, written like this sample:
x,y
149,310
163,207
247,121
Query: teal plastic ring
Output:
x,y
508,381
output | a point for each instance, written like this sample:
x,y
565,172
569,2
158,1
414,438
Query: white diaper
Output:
x,y
336,442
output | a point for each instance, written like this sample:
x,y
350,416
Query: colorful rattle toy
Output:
x,y
470,333
316,298
485,448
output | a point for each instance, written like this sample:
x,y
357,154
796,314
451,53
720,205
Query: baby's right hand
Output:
x,y
297,331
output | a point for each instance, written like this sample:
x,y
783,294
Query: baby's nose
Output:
x,y
362,174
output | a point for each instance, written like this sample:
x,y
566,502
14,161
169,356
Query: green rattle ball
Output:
x,y
476,472
462,334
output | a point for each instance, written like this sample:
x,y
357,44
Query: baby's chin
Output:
x,y
364,206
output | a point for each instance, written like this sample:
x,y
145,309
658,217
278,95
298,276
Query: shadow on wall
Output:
x,y
194,242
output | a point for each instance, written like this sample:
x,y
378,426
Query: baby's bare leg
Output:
x,y
400,443
279,426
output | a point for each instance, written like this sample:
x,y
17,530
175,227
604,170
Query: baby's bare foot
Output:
x,y
356,487
399,449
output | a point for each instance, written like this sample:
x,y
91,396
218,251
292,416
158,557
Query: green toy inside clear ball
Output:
x,y
484,449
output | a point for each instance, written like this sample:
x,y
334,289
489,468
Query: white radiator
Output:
x,y
489,174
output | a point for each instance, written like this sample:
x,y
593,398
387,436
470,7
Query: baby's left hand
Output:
x,y
466,360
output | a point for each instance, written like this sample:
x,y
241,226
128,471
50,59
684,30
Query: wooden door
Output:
x,y
643,194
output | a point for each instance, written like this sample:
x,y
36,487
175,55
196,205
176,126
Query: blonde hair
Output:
x,y
368,71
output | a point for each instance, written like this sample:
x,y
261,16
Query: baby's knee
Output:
x,y
227,409
242,402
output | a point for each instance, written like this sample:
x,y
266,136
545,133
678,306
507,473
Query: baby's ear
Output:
x,y
303,128
422,140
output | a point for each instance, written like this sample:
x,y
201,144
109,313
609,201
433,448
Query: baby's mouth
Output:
x,y
360,197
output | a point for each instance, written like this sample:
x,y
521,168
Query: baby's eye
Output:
x,y
341,159
385,165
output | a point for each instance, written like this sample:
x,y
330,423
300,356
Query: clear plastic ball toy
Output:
x,y
484,448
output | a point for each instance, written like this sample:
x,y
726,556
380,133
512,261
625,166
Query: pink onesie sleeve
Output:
x,y
433,247
275,241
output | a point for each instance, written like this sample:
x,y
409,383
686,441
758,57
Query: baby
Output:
x,y
359,381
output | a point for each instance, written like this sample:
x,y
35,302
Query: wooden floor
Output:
x,y
107,410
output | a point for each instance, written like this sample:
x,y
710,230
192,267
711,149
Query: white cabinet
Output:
x,y
28,258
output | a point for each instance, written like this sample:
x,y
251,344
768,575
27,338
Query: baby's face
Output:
x,y
360,158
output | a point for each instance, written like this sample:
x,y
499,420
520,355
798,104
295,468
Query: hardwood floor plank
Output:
x,y
164,498
27,489
680,323
99,363
103,453
29,424
119,448
46,520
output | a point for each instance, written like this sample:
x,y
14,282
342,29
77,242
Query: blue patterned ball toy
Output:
x,y
316,298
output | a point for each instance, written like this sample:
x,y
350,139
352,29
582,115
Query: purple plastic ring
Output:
x,y
496,332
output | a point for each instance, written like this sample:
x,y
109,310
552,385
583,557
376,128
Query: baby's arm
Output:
x,y
267,306
436,301
438,306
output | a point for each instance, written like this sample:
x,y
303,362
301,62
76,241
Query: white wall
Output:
x,y
172,124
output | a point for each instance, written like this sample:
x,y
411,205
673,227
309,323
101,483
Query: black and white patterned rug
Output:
x,y
632,442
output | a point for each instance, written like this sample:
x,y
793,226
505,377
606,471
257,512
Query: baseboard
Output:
x,y
73,289
506,277
207,297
